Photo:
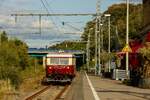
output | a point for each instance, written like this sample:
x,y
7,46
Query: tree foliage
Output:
x,y
66,45
13,58
145,52
118,26
118,30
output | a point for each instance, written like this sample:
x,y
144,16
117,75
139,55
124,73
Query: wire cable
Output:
x,y
49,13
60,19
57,18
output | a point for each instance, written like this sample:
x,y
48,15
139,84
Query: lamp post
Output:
x,y
99,48
127,40
108,15
96,31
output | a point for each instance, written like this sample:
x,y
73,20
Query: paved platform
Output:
x,y
88,87
108,89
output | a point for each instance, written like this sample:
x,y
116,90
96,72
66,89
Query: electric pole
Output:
x,y
88,49
40,25
127,41
100,42
97,46
96,36
109,65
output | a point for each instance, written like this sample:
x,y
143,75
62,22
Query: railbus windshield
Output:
x,y
59,61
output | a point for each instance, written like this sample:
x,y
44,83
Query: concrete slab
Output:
x,y
76,89
88,95
114,90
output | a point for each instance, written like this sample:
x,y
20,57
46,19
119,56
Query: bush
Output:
x,y
13,59
15,78
144,83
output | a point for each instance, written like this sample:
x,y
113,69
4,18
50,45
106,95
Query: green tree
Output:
x,y
66,45
118,19
145,67
22,50
13,59
3,37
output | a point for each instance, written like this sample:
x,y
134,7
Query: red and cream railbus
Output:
x,y
60,67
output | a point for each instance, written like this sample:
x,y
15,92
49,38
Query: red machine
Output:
x,y
60,67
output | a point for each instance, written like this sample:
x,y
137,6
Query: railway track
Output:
x,y
42,91
59,96
38,93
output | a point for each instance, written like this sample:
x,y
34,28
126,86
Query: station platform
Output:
x,y
90,87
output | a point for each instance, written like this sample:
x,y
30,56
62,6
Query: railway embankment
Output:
x,y
31,82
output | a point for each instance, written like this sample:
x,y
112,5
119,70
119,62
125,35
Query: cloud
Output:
x,y
2,1
16,1
7,21
44,24
29,25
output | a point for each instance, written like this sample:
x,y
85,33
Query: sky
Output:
x,y
26,28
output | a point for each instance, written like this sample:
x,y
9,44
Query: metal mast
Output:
x,y
88,49
127,41
40,15
109,43
97,67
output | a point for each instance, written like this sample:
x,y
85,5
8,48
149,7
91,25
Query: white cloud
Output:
x,y
44,23
7,21
30,25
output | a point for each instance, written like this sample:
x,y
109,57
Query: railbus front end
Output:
x,y
60,67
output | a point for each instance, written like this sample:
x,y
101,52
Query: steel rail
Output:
x,y
61,92
38,93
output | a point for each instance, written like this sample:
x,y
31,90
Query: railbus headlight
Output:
x,y
68,68
50,68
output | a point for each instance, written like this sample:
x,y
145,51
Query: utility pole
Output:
x,y
109,43
87,54
0,37
108,15
40,25
100,41
96,46
96,34
127,40
88,49
1,69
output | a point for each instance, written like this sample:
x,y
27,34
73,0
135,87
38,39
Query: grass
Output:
x,y
31,79
5,87
33,76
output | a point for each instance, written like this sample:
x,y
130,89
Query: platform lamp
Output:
x,y
108,15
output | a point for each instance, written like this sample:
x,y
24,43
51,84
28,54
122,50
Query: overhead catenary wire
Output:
x,y
50,9
49,13
58,19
